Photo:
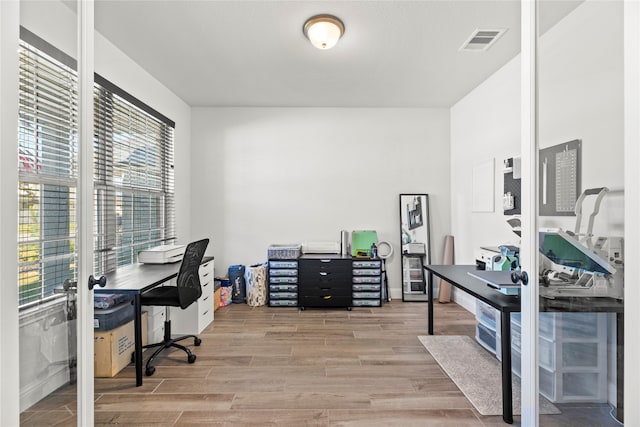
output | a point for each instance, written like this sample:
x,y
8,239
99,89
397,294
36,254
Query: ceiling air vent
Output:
x,y
482,40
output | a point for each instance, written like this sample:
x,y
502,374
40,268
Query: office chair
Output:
x,y
186,292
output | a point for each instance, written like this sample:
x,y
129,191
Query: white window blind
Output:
x,y
133,173
134,180
47,166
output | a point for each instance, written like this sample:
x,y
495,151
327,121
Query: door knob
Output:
x,y
522,277
102,282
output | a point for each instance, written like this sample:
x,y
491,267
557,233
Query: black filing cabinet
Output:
x,y
324,281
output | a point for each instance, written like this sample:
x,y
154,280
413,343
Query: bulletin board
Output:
x,y
512,184
560,178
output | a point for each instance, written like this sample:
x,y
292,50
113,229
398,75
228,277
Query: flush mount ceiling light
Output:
x,y
323,31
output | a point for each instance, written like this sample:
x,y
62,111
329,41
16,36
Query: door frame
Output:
x,y
84,212
528,248
632,205
9,329
9,313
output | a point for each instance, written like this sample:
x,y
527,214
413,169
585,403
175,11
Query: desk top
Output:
x,y
458,276
138,278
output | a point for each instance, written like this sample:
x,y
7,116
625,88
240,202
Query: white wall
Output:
x,y
580,97
266,176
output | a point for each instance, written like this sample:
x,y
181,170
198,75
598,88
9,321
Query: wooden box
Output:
x,y
216,299
113,349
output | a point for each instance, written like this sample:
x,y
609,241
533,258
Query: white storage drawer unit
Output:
x,y
572,351
198,315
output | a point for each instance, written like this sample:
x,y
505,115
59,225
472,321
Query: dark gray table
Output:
x,y
458,276
135,279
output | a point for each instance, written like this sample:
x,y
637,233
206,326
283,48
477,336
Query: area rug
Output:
x,y
477,373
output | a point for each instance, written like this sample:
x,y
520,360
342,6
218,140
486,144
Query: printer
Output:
x,y
164,254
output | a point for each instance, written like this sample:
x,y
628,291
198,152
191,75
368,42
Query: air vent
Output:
x,y
481,40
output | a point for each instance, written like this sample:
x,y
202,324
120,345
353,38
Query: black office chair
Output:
x,y
186,292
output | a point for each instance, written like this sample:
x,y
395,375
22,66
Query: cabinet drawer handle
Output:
x,y
324,273
325,260
205,275
327,297
206,298
205,312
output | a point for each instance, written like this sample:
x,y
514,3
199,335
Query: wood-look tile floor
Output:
x,y
281,366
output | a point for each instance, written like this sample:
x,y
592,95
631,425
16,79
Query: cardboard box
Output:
x,y
216,299
113,349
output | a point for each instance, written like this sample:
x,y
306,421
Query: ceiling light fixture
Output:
x,y
323,31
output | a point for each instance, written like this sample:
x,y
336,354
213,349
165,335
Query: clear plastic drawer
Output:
x,y
366,279
366,295
579,325
283,279
366,287
283,272
487,315
366,303
487,338
283,303
283,264
366,264
283,295
366,272
283,287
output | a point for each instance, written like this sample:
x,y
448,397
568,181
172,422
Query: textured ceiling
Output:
x,y
253,53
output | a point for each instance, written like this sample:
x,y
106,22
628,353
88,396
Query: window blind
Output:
x,y
133,173
47,170
134,180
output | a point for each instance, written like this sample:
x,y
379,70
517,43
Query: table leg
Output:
x,y
620,367
137,328
430,302
507,403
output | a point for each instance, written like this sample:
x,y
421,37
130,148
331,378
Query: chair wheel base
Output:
x,y
197,342
191,358
149,371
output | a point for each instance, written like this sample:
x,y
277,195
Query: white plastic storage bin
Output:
x,y
488,338
572,356
487,315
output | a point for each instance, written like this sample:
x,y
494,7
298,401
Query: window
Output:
x,y
133,173
47,170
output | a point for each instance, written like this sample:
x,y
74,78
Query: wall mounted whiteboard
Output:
x,y
482,187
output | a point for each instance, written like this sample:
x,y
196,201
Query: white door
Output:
x,y
53,178
574,233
